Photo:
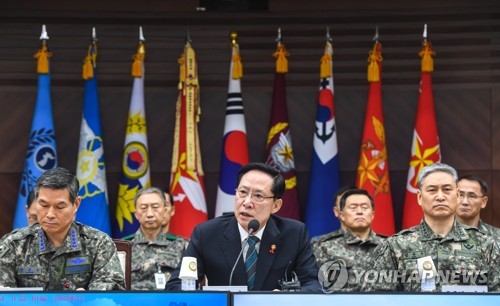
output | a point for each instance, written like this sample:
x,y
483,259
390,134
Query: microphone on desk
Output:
x,y
253,226
292,285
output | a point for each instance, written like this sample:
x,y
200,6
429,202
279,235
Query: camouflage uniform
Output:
x,y
349,248
463,253
7,235
316,239
490,230
86,259
162,254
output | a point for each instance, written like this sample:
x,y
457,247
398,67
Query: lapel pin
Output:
x,y
273,247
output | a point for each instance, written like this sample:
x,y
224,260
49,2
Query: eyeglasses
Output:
x,y
255,197
471,196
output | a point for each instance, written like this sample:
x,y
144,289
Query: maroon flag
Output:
x,y
279,150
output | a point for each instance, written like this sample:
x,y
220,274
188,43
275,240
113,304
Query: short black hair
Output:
x,y
166,190
30,199
343,189
58,178
278,187
351,192
480,181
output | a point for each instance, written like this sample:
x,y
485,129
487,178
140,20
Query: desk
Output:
x,y
111,298
204,298
365,299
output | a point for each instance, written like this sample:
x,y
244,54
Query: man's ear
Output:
x,y
77,203
277,206
336,211
342,216
484,202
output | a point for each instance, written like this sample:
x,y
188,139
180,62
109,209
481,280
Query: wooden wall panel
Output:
x,y
464,126
465,35
495,128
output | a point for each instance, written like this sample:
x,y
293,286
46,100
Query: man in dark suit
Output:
x,y
283,244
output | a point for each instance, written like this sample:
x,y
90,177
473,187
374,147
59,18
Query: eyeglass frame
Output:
x,y
469,196
252,196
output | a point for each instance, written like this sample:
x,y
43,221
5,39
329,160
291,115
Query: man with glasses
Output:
x,y
473,198
154,254
279,247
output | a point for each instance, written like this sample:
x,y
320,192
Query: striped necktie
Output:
x,y
251,261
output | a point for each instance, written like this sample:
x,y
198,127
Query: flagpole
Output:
x,y
279,149
41,154
136,172
325,175
373,167
425,148
90,167
234,153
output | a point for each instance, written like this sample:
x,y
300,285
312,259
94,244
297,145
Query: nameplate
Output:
x,y
21,289
463,288
226,288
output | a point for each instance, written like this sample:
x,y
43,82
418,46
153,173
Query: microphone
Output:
x,y
291,286
253,226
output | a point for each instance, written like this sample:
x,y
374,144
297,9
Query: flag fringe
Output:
x,y
281,59
192,107
43,56
427,57
374,58
89,62
190,91
326,63
237,72
137,66
182,70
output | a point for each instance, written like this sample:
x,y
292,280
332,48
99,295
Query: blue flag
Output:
x,y
135,162
41,154
325,177
90,169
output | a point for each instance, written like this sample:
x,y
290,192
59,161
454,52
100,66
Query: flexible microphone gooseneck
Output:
x,y
253,226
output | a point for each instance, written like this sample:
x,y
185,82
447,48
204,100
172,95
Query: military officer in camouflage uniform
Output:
x,y
336,211
473,198
439,251
154,254
58,253
353,249
30,213
169,211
